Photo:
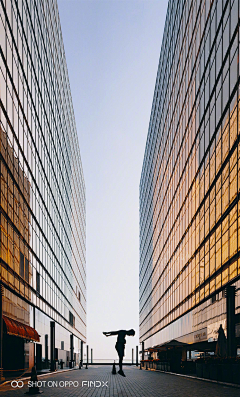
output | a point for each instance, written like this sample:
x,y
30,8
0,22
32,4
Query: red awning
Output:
x,y
14,327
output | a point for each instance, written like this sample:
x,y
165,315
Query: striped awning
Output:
x,y
14,327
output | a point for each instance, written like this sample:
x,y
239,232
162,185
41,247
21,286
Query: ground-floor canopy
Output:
x,y
16,328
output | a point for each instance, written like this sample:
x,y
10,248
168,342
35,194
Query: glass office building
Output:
x,y
43,214
189,188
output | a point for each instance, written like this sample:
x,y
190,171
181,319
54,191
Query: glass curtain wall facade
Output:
x,y
189,187
43,214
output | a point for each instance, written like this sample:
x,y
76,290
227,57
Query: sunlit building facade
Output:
x,y
189,188
43,215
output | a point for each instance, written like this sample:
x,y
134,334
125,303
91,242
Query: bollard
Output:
x,y
114,369
87,358
34,389
142,350
81,353
71,350
52,346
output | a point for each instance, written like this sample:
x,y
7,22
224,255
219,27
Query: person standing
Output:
x,y
120,344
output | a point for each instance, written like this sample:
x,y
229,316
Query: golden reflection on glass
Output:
x,y
191,268
186,190
15,233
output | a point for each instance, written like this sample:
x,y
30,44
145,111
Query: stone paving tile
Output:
x,y
136,384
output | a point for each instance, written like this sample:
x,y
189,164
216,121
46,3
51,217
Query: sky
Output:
x,y
112,49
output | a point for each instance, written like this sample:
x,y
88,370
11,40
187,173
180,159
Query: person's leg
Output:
x,y
120,363
120,351
120,366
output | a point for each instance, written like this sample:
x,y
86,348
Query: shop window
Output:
x,y
225,276
38,282
233,270
214,298
71,319
26,270
21,265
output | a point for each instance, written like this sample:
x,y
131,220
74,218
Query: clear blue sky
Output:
x,y
112,49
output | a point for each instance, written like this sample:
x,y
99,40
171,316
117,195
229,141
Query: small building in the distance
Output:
x,y
42,213
189,188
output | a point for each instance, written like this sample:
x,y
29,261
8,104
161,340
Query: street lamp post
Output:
x,y
137,356
87,358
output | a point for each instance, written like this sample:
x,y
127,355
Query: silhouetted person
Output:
x,y
120,345
221,346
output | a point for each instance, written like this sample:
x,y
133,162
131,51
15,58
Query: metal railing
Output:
x,y
86,360
106,361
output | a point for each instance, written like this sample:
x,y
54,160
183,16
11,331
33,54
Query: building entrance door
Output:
x,y
13,352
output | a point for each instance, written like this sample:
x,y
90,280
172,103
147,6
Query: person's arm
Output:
x,y
110,333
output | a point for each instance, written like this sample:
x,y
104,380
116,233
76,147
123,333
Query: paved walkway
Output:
x,y
137,383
